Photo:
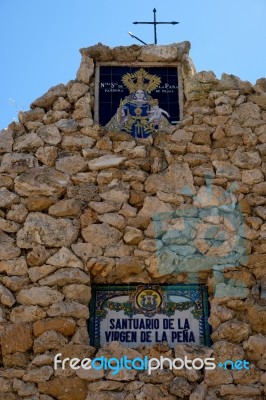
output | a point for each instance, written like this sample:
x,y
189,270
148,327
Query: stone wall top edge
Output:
x,y
169,52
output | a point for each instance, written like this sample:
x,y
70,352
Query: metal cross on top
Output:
x,y
155,23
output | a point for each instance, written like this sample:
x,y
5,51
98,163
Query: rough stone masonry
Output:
x,y
76,206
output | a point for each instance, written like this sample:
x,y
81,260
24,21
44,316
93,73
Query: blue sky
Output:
x,y
40,41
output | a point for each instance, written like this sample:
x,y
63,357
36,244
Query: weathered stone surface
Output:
x,y
65,276
153,206
47,155
16,338
240,390
42,296
68,309
15,283
113,219
101,234
132,235
86,250
257,319
86,70
17,162
47,100
65,258
31,115
49,340
71,165
65,326
103,162
37,273
67,125
14,267
39,374
39,203
218,377
48,231
233,331
50,134
169,53
6,140
177,179
28,142
65,388
8,226
227,170
83,107
7,198
27,314
85,192
78,292
41,181
8,250
116,193
6,297
75,90
66,208
90,374
247,160
255,347
77,142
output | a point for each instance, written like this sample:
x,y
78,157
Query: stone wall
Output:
x,y
76,206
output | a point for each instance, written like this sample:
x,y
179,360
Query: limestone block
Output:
x,y
68,309
227,170
28,142
26,314
83,107
14,267
49,340
6,297
41,181
246,160
163,53
8,226
71,165
153,206
17,162
129,265
17,213
37,273
47,155
107,161
218,377
176,179
66,208
116,193
233,330
65,388
90,374
65,326
7,198
16,338
261,212
24,389
6,141
75,90
15,283
31,115
48,231
50,134
252,176
77,142
102,234
86,70
78,292
8,250
42,296
257,319
65,258
47,100
240,390
113,219
86,250
132,235
67,125
39,203
39,374
65,276
61,104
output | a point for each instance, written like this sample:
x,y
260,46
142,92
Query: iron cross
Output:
x,y
155,23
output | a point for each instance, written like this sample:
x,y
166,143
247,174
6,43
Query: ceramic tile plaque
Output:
x,y
147,314
137,100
